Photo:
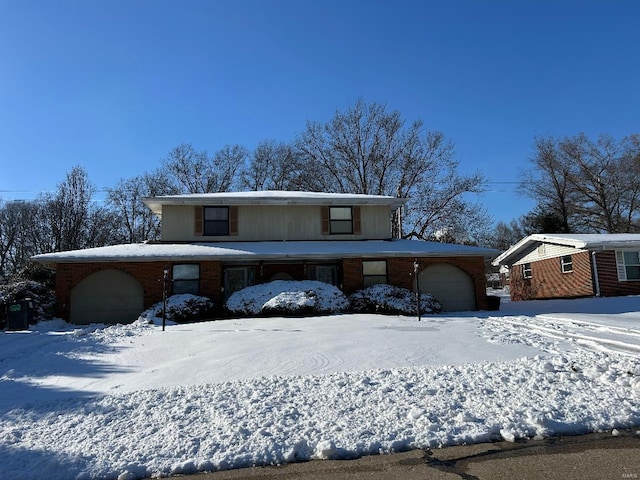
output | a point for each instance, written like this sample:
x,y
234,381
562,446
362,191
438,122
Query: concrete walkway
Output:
x,y
592,456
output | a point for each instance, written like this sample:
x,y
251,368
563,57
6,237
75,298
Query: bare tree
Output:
x,y
549,182
271,166
14,223
136,222
190,171
369,150
592,186
67,210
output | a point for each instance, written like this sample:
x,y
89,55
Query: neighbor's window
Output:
x,y
374,272
566,264
186,278
526,271
216,221
632,265
341,220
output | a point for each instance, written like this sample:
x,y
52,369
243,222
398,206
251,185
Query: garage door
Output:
x,y
108,296
450,285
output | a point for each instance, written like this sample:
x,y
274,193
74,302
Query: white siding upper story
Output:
x,y
274,216
544,251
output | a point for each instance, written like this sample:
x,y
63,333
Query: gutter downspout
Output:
x,y
596,280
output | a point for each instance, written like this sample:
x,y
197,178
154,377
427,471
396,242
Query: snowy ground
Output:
x,y
132,401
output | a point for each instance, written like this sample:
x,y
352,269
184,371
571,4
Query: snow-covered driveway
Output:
x,y
133,401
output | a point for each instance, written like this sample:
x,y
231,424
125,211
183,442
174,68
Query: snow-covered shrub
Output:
x,y
384,298
42,298
180,308
284,297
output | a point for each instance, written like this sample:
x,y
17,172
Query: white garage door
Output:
x,y
108,296
450,285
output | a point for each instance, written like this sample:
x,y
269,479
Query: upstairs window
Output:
x,y
566,264
374,272
340,220
526,271
216,221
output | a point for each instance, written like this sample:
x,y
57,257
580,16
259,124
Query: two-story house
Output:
x,y
215,244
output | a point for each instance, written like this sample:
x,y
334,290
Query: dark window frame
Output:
x,y
215,228
370,279
566,266
187,284
632,270
334,223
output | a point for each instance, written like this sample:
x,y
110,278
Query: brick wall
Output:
x,y
150,276
608,276
68,275
548,281
400,273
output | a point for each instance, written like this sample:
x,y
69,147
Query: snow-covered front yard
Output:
x,y
133,401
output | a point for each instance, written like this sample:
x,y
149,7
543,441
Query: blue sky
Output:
x,y
113,85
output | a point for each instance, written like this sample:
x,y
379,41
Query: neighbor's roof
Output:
x,y
594,242
254,251
272,197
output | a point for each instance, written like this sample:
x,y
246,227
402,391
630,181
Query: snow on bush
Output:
x,y
42,298
384,298
284,297
184,307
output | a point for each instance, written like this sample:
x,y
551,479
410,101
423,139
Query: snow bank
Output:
x,y
342,415
161,415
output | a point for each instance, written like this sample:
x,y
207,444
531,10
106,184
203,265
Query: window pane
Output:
x,y
186,286
341,226
326,274
216,228
186,272
216,213
633,273
340,213
632,258
374,280
378,267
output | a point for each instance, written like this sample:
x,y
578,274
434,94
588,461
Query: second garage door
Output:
x,y
450,285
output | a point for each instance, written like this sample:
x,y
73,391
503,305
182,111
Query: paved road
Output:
x,y
593,456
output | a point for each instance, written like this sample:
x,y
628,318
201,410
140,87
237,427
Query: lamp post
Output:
x,y
165,279
416,265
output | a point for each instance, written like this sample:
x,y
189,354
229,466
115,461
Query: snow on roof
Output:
x,y
252,251
272,197
593,241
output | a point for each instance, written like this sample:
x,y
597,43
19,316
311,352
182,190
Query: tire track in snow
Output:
x,y
575,331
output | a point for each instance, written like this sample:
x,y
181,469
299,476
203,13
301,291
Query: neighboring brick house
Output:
x,y
573,265
216,244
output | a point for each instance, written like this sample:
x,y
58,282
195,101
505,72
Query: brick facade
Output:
x,y
548,281
608,277
150,275
400,273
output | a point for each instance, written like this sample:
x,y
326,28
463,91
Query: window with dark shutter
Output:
x,y
216,221
340,220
